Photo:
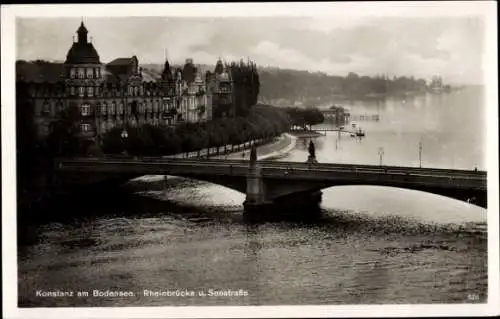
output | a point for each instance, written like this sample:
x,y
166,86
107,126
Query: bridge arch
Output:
x,y
233,182
277,189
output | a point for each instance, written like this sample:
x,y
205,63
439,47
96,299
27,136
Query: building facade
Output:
x,y
117,94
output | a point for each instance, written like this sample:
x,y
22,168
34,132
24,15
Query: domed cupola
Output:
x,y
82,51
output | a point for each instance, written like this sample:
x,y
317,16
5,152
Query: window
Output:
x,y
85,109
84,127
72,90
46,107
98,72
120,109
80,91
90,91
81,73
59,107
90,73
72,73
103,108
113,107
135,90
130,90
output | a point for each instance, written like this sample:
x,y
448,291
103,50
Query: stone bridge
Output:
x,y
263,182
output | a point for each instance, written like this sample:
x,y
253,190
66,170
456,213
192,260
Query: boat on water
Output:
x,y
360,132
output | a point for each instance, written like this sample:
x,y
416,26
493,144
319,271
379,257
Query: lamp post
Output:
x,y
124,136
381,154
420,153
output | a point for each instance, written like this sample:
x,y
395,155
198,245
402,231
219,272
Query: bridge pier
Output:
x,y
256,195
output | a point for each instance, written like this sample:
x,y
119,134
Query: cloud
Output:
x,y
452,47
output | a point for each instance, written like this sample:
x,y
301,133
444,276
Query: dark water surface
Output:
x,y
372,245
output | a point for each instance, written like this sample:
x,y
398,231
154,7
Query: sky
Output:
x,y
451,47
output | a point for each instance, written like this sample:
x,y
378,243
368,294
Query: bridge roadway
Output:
x,y
266,181
370,174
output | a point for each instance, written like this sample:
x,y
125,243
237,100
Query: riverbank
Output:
x,y
305,134
275,149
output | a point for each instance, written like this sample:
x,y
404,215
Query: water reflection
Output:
x,y
371,244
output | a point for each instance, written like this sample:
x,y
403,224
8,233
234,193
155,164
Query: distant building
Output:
x,y
336,114
118,94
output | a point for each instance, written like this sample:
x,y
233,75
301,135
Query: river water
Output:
x,y
372,245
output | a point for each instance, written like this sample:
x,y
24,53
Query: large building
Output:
x,y
119,93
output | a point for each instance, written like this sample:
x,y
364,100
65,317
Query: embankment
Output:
x,y
305,134
276,149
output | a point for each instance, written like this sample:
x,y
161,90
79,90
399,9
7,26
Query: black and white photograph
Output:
x,y
335,156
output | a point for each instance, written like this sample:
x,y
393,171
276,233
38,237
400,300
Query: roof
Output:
x,y
40,71
82,29
121,61
121,67
82,53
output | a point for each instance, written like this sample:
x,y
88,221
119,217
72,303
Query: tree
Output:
x,y
63,139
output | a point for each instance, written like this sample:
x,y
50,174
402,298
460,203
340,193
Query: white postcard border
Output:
x,y
487,9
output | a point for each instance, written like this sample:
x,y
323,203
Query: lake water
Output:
x,y
373,245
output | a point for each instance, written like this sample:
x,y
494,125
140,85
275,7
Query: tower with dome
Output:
x,y
120,94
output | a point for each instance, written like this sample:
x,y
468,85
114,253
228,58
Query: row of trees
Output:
x,y
262,122
246,86
297,85
304,117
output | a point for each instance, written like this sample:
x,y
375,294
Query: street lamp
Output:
x,y
381,154
124,136
420,153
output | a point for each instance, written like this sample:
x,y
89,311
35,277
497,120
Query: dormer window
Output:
x,y
98,72
72,73
90,74
81,73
